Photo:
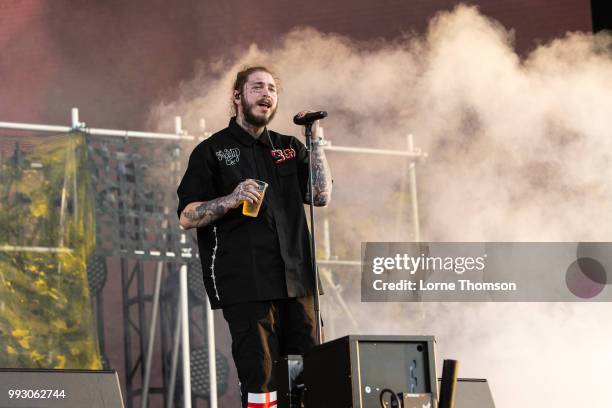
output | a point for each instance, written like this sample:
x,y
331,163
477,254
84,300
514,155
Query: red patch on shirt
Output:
x,y
280,156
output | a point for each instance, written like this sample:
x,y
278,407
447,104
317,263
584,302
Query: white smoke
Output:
x,y
519,150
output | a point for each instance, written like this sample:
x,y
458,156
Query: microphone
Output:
x,y
308,118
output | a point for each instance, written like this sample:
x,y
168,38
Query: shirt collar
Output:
x,y
244,137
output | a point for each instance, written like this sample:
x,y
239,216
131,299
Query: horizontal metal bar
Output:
x,y
386,152
172,136
133,133
93,131
31,126
13,248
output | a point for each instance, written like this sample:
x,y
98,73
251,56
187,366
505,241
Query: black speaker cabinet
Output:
x,y
350,372
59,388
473,393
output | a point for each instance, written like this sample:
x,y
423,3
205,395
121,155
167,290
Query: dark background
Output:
x,y
112,59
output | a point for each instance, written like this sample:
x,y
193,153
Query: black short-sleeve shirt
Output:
x,y
243,258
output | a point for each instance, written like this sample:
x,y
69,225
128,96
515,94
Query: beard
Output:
x,y
248,109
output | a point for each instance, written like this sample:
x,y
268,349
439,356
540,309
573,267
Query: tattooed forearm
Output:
x,y
321,178
204,213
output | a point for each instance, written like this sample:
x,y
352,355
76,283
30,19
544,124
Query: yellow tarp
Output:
x,y
47,233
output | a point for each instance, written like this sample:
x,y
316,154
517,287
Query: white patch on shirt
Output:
x,y
212,264
231,156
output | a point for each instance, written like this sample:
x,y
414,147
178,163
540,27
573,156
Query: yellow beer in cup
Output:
x,y
251,210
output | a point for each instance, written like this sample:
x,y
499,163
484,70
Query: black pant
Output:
x,y
262,332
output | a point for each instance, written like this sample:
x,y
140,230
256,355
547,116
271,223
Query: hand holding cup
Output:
x,y
245,191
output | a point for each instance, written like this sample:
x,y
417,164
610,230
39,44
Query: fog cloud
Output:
x,y
519,150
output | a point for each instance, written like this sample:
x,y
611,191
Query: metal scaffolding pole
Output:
x,y
144,399
385,152
176,339
212,358
81,127
185,349
413,193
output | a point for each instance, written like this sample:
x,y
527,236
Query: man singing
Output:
x,y
257,269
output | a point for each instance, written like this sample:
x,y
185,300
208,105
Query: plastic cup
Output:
x,y
252,210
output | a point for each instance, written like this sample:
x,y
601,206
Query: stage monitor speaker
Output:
x,y
59,388
352,371
472,393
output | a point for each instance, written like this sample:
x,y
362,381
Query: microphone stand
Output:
x,y
313,251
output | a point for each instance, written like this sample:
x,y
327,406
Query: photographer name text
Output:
x,y
464,285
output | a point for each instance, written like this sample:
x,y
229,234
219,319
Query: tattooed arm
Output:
x,y
321,178
321,175
203,213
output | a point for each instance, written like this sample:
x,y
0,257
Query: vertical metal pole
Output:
x,y
68,164
175,350
212,357
140,297
326,240
415,217
325,272
186,350
401,201
64,194
413,193
149,357
127,341
74,118
75,201
178,125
